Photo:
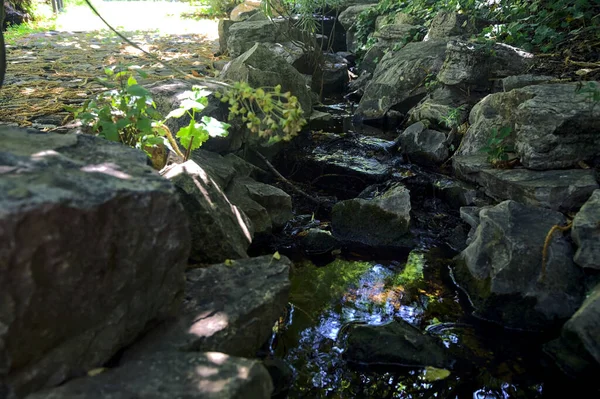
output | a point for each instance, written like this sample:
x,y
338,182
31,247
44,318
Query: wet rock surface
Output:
x,y
586,233
508,276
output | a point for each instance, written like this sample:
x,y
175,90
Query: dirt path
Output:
x,y
49,71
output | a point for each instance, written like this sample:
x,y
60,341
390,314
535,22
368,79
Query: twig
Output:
x,y
547,244
286,181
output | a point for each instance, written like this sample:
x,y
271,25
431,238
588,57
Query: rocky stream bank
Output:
x,y
419,263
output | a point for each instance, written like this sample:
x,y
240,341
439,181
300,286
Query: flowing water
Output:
x,y
327,301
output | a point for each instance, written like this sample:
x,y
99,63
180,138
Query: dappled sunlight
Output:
x,y
107,168
241,222
217,357
209,323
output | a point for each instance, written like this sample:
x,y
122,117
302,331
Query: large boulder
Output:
x,y
229,307
477,67
167,375
503,272
577,351
562,190
94,246
553,125
446,107
243,35
451,24
218,228
399,80
424,146
382,221
395,344
586,233
261,67
348,19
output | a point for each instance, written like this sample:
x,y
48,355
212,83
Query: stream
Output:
x,y
331,296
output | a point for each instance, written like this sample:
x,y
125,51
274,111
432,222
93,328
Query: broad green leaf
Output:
x,y
191,104
153,140
215,127
144,125
131,81
137,90
435,374
121,123
109,131
195,130
176,113
109,72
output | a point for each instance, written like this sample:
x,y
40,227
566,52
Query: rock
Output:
x,y
379,222
172,375
450,24
394,344
553,125
244,10
501,269
348,19
296,56
577,351
424,146
562,190
318,242
219,229
586,233
14,14
331,79
244,35
261,67
456,193
518,81
229,308
399,80
223,169
94,246
477,66
223,29
444,108
267,207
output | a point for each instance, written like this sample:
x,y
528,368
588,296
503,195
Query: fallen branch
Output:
x,y
286,181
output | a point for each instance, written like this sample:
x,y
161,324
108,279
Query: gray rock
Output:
x,y
372,58
296,55
223,169
331,79
424,146
438,107
399,80
219,229
516,82
223,29
245,10
577,351
347,19
172,375
553,126
229,308
261,67
476,66
456,193
501,270
319,242
586,233
95,244
379,222
243,35
563,190
395,344
449,24
267,207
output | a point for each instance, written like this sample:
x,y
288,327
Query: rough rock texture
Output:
x,y
318,242
399,80
586,233
392,36
296,56
516,82
223,29
379,222
577,351
476,67
563,190
448,24
348,18
229,308
94,245
502,270
243,35
424,146
443,102
261,67
170,375
395,344
219,229
553,126
267,207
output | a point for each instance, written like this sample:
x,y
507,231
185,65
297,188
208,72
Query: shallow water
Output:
x,y
327,301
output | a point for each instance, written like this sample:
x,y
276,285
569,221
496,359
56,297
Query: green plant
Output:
x,y
591,91
497,148
452,118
